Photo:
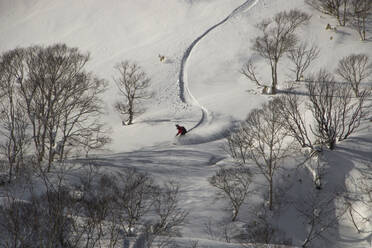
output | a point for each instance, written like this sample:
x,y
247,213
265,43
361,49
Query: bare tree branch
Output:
x,y
249,70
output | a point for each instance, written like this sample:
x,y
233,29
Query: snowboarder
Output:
x,y
181,130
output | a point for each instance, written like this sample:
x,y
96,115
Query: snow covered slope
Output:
x,y
206,42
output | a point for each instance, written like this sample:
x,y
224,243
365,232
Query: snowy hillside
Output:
x,y
199,86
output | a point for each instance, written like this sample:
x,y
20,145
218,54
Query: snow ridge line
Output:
x,y
182,79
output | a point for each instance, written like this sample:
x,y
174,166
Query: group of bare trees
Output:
x,y
49,104
278,39
328,111
333,111
355,12
50,108
100,210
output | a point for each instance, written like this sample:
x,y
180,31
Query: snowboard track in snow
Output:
x,y
183,82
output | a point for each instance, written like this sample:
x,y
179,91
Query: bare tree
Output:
x,y
264,129
89,139
293,111
277,38
167,209
302,56
345,11
264,135
168,215
42,221
223,230
14,225
358,198
261,229
81,125
354,69
336,8
134,199
234,182
96,214
99,218
362,10
336,112
237,147
132,83
13,121
320,212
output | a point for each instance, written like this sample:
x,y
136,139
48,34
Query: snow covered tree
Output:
x,y
277,39
132,83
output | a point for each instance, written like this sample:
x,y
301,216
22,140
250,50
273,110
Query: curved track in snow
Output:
x,y
182,79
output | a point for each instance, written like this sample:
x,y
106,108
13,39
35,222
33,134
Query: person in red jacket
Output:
x,y
181,130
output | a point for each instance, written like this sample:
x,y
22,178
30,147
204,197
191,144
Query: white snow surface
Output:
x,y
205,42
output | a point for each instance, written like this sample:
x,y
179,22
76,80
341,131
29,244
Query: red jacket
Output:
x,y
181,130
